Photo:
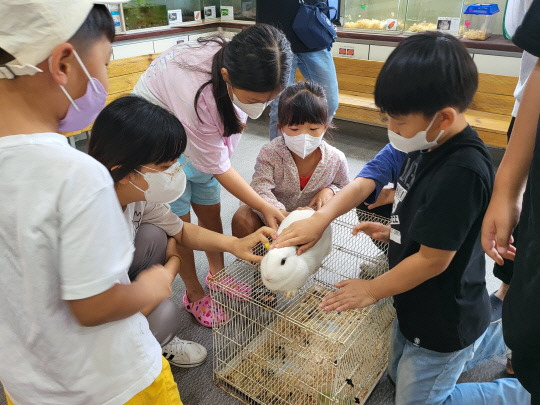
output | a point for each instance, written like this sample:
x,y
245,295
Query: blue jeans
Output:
x,y
427,377
317,67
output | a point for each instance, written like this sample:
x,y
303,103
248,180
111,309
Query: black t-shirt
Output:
x,y
521,309
440,201
527,36
281,14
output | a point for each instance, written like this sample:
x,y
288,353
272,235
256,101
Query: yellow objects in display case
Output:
x,y
383,16
239,9
479,20
430,15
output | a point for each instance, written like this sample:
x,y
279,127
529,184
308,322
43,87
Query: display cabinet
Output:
x,y
139,14
426,15
211,9
384,16
238,9
479,21
184,11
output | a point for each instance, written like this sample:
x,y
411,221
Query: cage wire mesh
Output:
x,y
274,350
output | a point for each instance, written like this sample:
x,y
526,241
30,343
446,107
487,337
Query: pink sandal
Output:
x,y
240,290
203,310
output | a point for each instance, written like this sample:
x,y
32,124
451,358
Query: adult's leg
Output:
x,y
319,67
274,133
150,247
245,221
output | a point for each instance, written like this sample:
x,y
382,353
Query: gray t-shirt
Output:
x,y
160,215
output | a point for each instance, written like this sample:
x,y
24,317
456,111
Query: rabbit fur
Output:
x,y
283,270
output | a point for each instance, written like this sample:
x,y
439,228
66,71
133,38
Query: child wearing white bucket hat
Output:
x,y
72,331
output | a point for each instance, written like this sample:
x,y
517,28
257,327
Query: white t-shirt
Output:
x,y
528,62
515,12
160,215
62,237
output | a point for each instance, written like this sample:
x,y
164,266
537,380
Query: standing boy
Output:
x,y
72,331
437,266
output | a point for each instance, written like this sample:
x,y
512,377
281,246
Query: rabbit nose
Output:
x,y
268,278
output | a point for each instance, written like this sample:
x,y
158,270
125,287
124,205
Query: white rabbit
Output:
x,y
283,270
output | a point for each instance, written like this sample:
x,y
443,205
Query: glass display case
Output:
x,y
426,15
184,11
238,9
385,16
211,9
479,21
140,14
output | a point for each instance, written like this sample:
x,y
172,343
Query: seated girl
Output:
x,y
297,169
139,143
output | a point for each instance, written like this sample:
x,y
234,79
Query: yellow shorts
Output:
x,y
163,391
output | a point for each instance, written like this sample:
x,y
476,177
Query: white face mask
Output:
x,y
164,187
417,142
303,144
253,111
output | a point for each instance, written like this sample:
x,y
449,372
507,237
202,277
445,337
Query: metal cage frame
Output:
x,y
274,350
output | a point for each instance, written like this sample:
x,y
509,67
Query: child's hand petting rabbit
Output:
x,y
242,248
283,270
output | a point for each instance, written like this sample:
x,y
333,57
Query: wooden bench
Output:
x,y
123,75
489,114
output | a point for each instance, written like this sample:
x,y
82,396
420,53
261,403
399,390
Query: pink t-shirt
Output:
x,y
172,81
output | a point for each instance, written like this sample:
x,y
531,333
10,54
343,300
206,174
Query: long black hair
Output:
x,y
257,59
426,73
131,132
302,102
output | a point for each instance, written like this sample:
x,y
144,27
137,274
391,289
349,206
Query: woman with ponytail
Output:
x,y
212,86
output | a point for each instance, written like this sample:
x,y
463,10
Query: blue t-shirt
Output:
x,y
383,169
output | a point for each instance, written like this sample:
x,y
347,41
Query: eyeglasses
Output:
x,y
175,168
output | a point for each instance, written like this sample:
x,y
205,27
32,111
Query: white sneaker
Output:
x,y
183,353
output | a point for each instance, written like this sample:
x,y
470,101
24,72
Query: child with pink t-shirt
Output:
x,y
212,86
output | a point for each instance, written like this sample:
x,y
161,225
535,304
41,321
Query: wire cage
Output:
x,y
274,350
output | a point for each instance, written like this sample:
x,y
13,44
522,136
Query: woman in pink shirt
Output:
x,y
212,86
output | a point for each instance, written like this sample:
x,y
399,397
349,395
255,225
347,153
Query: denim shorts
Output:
x,y
201,188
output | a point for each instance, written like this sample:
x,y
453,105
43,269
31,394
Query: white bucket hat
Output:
x,y
31,29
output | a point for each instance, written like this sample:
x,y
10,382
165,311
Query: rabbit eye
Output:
x,y
283,261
